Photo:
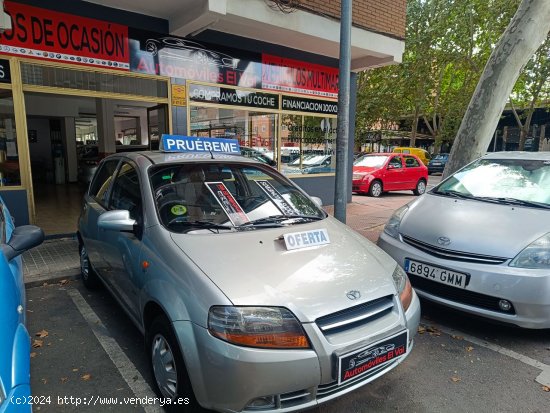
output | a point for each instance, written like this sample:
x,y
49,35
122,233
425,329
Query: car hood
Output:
x,y
255,268
365,169
473,226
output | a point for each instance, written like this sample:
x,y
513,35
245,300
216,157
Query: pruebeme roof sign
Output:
x,y
179,143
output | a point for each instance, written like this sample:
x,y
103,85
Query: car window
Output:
x,y
411,162
371,161
99,188
522,179
224,194
395,162
126,193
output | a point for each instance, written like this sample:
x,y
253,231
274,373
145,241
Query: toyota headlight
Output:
x,y
403,285
266,327
536,255
392,226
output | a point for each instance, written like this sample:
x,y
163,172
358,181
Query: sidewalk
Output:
x,y
57,259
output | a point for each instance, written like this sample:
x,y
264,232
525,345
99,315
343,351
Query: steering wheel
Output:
x,y
164,191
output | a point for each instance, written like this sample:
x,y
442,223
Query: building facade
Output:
x,y
83,79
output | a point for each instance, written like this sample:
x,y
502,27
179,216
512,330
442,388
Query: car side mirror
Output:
x,y
318,201
22,239
117,220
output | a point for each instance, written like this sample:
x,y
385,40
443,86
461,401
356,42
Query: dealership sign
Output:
x,y
227,96
289,75
46,34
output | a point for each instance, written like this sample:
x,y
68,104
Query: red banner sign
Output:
x,y
279,73
46,34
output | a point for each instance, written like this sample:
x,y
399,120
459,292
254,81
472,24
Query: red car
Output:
x,y
376,173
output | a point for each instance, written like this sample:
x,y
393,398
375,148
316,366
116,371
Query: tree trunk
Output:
x,y
521,39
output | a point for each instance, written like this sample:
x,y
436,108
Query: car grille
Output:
x,y
452,255
355,316
325,390
458,295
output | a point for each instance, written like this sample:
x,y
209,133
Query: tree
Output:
x,y
447,44
526,32
532,90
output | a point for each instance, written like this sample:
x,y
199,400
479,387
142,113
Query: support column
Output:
x,y
70,148
106,141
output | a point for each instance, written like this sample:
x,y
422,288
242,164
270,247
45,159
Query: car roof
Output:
x,y
543,156
159,157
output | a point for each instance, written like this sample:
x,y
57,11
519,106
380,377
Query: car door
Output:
x,y
413,171
95,203
393,176
123,249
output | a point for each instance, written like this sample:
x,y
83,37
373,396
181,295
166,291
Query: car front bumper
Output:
x,y
528,290
228,378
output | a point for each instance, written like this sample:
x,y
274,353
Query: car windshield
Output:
x,y
440,157
371,161
509,181
216,197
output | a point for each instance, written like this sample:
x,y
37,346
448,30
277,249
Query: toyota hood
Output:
x,y
255,268
474,226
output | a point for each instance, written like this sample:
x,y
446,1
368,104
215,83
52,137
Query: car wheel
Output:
x,y
375,189
167,365
89,276
420,187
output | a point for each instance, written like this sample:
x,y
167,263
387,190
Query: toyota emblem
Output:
x,y
443,241
353,295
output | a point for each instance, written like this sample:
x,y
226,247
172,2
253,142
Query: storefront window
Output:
x,y
256,131
308,144
10,174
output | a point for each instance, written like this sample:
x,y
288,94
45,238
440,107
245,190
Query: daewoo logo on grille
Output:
x,y
353,295
443,241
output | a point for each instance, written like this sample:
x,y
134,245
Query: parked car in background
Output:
x,y
480,241
257,155
422,154
311,164
437,163
226,258
14,338
376,173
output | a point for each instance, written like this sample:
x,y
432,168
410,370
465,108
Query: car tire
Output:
x,y
420,187
375,189
87,273
167,367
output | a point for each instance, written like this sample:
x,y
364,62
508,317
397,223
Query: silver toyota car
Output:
x,y
250,297
480,240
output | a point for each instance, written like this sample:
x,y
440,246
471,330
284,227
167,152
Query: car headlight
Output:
x,y
403,286
536,255
392,226
266,327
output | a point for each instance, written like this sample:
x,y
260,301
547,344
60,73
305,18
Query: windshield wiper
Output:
x,y
514,201
277,220
201,224
455,194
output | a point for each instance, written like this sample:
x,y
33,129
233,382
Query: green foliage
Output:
x,y
447,45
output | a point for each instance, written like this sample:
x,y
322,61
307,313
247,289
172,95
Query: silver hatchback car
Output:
x,y
249,296
480,240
